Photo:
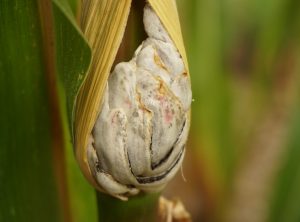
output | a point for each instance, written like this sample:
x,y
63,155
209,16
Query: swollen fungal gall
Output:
x,y
139,138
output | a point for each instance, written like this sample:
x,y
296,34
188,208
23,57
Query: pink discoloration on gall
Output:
x,y
168,115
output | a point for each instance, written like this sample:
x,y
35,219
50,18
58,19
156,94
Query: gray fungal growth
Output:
x,y
139,137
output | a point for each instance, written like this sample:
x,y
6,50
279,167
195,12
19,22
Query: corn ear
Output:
x,y
103,23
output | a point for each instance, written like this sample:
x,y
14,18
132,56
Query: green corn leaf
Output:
x,y
73,56
27,182
42,64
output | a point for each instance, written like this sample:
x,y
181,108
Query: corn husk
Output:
x,y
103,23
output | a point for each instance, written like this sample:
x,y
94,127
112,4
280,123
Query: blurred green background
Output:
x,y
243,157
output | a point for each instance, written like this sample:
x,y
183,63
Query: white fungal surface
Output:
x,y
139,138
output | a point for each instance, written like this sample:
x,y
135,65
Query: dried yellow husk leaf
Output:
x,y
103,23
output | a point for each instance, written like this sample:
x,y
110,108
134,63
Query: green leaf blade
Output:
x,y
25,133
